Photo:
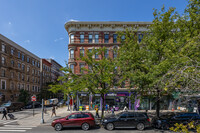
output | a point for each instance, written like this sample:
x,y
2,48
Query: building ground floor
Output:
x,y
119,99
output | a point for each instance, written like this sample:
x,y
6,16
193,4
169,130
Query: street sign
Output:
x,y
33,98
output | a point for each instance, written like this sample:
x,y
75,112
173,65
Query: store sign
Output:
x,y
111,94
84,95
97,95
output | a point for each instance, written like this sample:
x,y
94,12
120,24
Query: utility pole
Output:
x,y
42,119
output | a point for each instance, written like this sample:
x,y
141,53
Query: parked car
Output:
x,y
29,105
85,120
127,120
168,120
60,103
12,106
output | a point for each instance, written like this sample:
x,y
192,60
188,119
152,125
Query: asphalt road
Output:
x,y
49,129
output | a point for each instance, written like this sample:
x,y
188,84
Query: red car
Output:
x,y
85,120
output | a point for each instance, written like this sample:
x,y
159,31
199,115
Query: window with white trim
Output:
x,y
81,38
90,38
3,48
3,60
3,84
71,53
72,38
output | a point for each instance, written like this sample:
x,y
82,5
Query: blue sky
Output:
x,y
38,25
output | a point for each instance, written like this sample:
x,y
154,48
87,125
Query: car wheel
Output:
x,y
58,127
140,126
85,126
110,126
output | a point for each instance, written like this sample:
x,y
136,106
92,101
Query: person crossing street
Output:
x,y
4,114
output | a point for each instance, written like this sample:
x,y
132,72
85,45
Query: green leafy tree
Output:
x,y
24,96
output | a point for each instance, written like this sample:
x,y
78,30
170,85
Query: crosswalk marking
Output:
x,y
18,126
15,128
12,130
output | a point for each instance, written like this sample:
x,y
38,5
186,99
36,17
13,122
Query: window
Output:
x,y
72,116
33,88
96,55
123,37
36,88
12,74
90,38
23,67
18,86
28,69
72,68
96,38
28,79
3,48
22,57
18,76
124,115
19,54
38,64
28,88
71,53
115,52
28,59
3,73
22,77
12,63
12,85
140,36
115,38
81,66
106,54
33,62
33,79
3,84
22,87
81,38
3,60
12,51
81,52
90,50
72,38
19,65
106,38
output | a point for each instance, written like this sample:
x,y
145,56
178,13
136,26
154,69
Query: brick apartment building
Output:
x,y
21,69
85,36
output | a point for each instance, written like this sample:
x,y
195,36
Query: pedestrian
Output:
x,y
4,114
97,112
74,109
53,111
113,110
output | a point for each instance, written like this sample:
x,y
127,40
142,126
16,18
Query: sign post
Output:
x,y
33,99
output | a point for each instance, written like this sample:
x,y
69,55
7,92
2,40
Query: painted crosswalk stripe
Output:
x,y
18,126
15,128
12,130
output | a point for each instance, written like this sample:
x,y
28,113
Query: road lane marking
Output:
x,y
9,122
14,128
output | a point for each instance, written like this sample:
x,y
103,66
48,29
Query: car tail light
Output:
x,y
148,120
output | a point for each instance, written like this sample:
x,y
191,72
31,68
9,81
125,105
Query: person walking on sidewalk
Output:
x,y
4,114
53,111
97,112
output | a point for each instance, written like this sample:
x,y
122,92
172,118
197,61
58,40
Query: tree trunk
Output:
x,y
158,103
103,107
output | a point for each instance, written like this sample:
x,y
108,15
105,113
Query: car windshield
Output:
x,y
118,115
5,105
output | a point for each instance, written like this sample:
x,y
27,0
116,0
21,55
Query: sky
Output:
x,y
38,25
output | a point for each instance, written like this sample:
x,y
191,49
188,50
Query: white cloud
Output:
x,y
59,39
9,23
73,20
52,57
27,41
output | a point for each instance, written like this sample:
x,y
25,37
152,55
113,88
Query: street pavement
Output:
x,y
26,122
49,129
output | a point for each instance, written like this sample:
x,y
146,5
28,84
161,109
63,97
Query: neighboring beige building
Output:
x,y
20,69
